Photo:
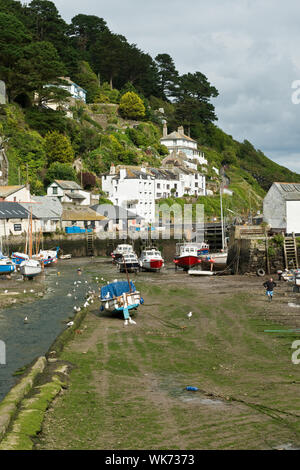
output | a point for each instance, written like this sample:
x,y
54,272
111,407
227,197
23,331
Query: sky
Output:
x,y
248,49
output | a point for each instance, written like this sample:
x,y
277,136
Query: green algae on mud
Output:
x,y
127,389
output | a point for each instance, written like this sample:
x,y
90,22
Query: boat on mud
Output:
x,y
47,257
189,254
120,296
216,260
120,251
151,259
6,265
128,262
30,268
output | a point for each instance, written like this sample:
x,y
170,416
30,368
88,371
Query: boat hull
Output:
x,y
7,268
152,265
117,304
186,262
130,267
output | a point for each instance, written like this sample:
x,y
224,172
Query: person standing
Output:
x,y
269,286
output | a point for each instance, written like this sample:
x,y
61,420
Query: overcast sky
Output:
x,y
248,49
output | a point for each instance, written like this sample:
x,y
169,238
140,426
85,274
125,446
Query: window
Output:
x,y
54,190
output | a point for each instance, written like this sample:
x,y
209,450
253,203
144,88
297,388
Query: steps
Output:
x,y
90,244
290,252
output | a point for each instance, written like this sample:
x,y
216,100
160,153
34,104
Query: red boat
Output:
x,y
151,259
187,255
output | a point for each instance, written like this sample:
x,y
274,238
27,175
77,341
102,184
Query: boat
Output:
x,y
122,249
17,258
151,259
30,268
47,257
6,265
216,260
128,262
200,272
188,254
120,296
69,256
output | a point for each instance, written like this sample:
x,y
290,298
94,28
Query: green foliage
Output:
x,y
58,148
131,106
60,171
87,79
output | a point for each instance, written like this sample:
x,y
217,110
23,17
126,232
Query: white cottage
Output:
x,y
15,193
282,207
69,192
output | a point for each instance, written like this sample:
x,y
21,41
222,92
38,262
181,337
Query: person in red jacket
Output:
x,y
269,285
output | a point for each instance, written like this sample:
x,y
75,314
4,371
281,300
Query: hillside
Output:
x,y
128,95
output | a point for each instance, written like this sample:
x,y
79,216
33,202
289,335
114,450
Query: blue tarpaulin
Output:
x,y
115,289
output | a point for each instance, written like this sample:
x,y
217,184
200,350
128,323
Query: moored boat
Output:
x,y
151,259
216,260
128,262
120,251
120,296
30,268
187,254
6,265
47,257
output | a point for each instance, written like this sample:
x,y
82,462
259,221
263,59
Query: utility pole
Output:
x,y
222,221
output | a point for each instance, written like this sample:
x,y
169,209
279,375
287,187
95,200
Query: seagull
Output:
x,y
5,291
71,323
132,321
24,291
189,315
69,295
31,290
26,320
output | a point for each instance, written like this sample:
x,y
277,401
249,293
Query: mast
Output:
x,y
222,221
30,235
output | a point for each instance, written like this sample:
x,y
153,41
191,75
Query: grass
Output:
x,y
128,390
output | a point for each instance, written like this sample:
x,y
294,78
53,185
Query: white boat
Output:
x,y
47,257
200,272
118,296
218,260
121,250
151,259
30,268
128,262
65,257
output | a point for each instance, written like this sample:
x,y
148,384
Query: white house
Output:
x,y
131,188
15,193
70,192
14,219
179,143
281,207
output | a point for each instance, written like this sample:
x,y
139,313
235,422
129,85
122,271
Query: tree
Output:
x,y
87,79
58,148
60,171
86,30
131,106
192,97
13,38
167,73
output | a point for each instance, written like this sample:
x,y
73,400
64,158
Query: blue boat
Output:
x,y
120,296
6,265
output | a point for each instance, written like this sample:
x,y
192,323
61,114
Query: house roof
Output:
x,y
114,212
78,213
8,190
177,136
47,207
64,184
289,191
13,210
75,195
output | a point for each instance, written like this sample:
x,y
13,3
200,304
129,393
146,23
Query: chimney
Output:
x,y
180,130
112,170
165,129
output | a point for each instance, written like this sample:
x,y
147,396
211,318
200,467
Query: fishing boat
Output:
x,y
188,254
17,258
120,251
6,265
151,259
128,262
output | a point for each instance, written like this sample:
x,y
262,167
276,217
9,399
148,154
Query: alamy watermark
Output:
x,y
2,353
296,94
296,354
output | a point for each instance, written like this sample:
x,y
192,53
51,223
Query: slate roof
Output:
x,y
177,136
64,184
289,191
13,210
84,213
8,190
74,195
46,207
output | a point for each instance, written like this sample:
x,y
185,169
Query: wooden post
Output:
x,y
267,253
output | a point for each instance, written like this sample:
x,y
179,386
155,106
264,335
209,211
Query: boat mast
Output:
x,y
222,221
30,235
